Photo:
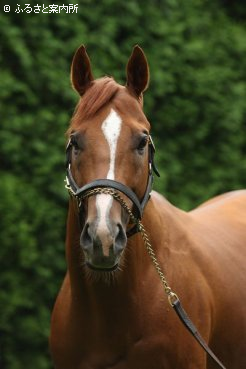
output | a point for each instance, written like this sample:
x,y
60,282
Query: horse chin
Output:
x,y
102,274
97,268
103,269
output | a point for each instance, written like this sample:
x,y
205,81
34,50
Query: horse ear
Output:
x,y
137,71
81,75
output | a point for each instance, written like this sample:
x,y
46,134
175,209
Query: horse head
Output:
x,y
109,143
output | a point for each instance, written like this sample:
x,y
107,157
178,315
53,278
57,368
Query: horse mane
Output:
x,y
101,92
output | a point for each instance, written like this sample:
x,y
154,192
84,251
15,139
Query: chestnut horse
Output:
x,y
111,311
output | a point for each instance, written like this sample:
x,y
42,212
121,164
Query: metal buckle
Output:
x,y
172,298
68,187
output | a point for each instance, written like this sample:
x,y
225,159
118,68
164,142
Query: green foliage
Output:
x,y
196,104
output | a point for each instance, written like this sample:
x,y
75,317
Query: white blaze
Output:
x,y
111,128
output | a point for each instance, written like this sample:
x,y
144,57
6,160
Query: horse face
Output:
x,y
111,148
109,142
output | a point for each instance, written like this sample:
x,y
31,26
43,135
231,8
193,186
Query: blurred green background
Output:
x,y
196,103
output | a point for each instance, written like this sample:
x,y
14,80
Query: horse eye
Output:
x,y
142,144
74,142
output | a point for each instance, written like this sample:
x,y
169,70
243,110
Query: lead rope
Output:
x,y
172,296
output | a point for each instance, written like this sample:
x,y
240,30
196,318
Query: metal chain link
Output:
x,y
172,297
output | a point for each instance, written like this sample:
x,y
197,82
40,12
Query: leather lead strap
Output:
x,y
193,330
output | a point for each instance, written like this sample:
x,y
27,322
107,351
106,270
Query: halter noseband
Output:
x,y
138,206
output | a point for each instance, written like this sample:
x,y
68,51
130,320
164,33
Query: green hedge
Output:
x,y
195,102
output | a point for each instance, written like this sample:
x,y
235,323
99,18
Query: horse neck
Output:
x,y
167,228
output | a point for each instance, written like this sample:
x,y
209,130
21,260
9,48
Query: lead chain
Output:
x,y
172,297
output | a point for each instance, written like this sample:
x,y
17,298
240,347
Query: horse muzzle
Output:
x,y
103,246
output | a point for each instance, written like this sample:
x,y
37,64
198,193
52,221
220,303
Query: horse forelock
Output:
x,y
100,93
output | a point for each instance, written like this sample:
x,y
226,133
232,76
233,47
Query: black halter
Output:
x,y
138,205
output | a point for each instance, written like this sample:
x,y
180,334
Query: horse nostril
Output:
x,y
86,238
120,239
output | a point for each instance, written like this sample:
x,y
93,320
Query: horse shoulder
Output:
x,y
219,232
207,258
219,225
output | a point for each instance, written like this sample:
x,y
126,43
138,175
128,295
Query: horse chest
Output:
x,y
141,354
144,338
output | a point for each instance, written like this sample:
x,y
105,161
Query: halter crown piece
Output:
x,y
138,205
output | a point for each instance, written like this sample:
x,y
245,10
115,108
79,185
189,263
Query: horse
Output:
x,y
112,310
